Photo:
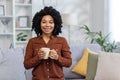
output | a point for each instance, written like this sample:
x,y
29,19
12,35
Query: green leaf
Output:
x,y
19,34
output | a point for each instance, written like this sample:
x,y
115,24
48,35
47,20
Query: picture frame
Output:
x,y
23,21
2,10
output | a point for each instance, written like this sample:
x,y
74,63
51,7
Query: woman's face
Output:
x,y
47,24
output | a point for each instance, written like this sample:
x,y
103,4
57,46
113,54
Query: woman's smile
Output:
x,y
47,29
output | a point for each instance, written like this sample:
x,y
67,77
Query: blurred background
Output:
x,y
99,15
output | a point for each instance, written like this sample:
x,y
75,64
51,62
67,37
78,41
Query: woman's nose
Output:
x,y
47,24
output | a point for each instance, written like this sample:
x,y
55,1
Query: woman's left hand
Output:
x,y
53,54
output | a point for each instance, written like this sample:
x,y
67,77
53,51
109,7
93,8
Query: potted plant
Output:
x,y
21,37
97,37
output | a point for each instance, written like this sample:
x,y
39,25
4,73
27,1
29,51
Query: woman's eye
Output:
x,y
51,22
43,22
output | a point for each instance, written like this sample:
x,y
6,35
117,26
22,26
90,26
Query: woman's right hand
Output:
x,y
41,54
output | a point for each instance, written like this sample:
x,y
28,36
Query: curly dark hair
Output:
x,y
47,11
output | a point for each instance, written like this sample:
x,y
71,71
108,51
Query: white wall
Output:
x,y
97,15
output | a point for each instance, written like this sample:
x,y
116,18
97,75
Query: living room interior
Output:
x,y
97,15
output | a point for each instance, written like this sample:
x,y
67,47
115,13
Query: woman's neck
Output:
x,y
46,38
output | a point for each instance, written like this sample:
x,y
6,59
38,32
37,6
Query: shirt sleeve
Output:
x,y
65,59
30,60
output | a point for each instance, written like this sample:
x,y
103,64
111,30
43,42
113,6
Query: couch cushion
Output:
x,y
108,66
1,57
92,66
12,67
81,67
77,52
28,74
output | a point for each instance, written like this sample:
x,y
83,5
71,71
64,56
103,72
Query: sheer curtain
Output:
x,y
114,19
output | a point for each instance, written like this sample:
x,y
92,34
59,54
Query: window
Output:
x,y
114,19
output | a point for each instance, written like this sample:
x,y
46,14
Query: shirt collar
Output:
x,y
51,37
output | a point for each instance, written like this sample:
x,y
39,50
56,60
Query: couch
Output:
x,y
77,52
12,68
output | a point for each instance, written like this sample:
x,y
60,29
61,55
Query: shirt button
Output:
x,y
48,76
47,69
47,63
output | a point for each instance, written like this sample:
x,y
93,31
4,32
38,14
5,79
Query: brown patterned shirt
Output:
x,y
48,69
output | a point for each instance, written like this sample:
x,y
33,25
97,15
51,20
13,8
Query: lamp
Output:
x,y
69,20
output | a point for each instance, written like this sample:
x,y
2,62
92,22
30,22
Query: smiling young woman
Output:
x,y
47,24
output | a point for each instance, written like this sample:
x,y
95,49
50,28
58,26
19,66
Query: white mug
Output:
x,y
47,51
